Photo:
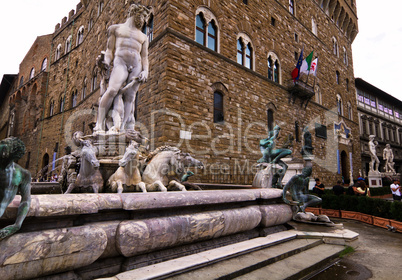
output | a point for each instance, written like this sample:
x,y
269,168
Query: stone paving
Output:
x,y
378,255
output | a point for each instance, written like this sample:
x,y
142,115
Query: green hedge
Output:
x,y
363,204
380,191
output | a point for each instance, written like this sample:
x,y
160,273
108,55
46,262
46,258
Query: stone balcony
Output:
x,y
300,90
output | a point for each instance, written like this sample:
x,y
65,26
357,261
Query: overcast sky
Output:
x,y
377,48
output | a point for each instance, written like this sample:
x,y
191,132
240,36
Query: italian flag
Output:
x,y
305,68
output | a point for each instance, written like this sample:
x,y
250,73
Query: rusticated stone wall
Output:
x,y
177,99
93,235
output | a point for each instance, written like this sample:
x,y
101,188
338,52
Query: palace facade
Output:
x,y
380,114
220,78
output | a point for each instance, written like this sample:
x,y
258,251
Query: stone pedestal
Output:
x,y
374,178
112,145
308,160
295,166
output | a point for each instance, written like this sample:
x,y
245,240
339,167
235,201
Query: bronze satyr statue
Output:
x,y
13,178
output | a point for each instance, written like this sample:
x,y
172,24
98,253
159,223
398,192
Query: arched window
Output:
x,y
94,79
212,36
273,67
32,73
68,44
270,68
80,35
276,72
206,29
339,105
292,7
84,89
58,52
270,115
51,108
249,56
148,28
240,52
100,8
61,103
350,113
335,46
74,99
345,56
200,29
218,107
44,65
318,97
91,21
337,77
22,81
244,51
314,27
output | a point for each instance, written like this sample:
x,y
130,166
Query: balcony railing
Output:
x,y
300,90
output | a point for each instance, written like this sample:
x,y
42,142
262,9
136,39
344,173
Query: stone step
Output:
x,y
279,256
249,262
297,266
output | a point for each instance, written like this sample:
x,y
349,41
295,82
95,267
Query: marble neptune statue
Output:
x,y
127,52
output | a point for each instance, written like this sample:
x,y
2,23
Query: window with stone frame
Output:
x,y
74,99
80,35
314,27
68,44
206,29
339,105
245,51
335,46
273,67
32,73
218,107
347,84
100,7
44,65
200,32
350,112
91,21
337,77
318,96
345,56
94,81
84,89
270,119
51,108
58,52
148,28
292,7
61,104
364,129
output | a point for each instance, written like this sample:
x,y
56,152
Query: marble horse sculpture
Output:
x,y
127,177
13,179
164,165
89,175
